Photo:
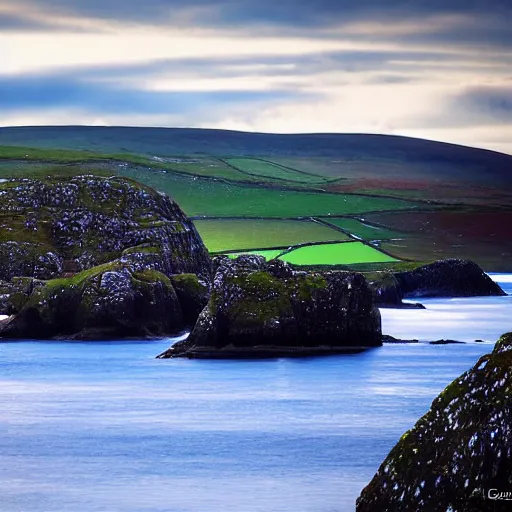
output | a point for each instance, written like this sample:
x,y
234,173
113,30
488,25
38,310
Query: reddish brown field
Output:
x,y
423,190
485,237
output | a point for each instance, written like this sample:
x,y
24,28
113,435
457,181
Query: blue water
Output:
x,y
90,427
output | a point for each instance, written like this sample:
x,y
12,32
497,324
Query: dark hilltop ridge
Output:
x,y
458,456
221,142
89,257
92,257
260,309
402,154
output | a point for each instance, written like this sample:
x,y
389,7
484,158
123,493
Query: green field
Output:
x,y
336,254
362,230
227,235
266,169
200,197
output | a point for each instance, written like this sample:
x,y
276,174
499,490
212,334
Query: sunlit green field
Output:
x,y
226,235
336,254
331,254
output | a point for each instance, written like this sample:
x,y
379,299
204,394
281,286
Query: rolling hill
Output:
x,y
404,198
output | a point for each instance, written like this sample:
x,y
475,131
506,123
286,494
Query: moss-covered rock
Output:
x,y
258,308
89,256
62,225
459,455
193,294
111,300
447,278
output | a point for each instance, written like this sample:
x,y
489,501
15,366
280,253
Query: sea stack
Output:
x,y
260,309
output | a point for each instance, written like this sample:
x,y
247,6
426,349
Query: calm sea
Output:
x,y
90,427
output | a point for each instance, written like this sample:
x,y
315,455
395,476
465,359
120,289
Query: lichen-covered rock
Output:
x,y
193,295
56,226
113,300
447,278
459,455
266,309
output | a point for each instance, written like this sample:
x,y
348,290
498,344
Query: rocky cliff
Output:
x,y
56,225
458,457
259,309
94,257
447,278
444,278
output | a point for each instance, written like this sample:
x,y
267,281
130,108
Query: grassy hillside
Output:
x,y
401,198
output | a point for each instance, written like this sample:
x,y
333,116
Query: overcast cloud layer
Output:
x,y
427,68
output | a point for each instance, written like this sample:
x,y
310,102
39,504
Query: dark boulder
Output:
x,y
447,278
259,309
459,455
109,301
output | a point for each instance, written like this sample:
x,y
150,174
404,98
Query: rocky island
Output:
x,y
91,257
260,309
458,456
443,278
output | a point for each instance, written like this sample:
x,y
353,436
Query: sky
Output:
x,y
436,69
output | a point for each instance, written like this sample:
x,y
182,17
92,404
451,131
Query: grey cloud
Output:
x,y
19,22
471,107
47,92
486,103
391,65
283,12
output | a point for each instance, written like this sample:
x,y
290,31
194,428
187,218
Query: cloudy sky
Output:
x,y
438,69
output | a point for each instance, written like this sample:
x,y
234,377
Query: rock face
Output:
x,y
444,278
93,257
67,225
260,309
109,301
459,455
447,278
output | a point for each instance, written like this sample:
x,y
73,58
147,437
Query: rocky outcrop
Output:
x,y
259,309
447,278
93,257
458,456
109,301
56,226
444,278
